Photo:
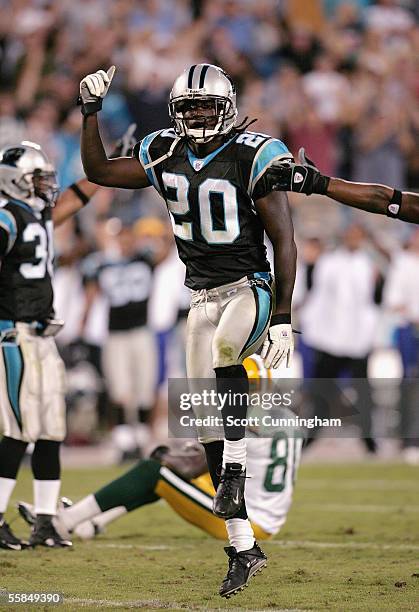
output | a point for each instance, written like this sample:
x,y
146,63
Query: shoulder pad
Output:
x,y
268,151
153,147
252,139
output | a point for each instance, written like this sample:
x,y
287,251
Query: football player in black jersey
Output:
x,y
31,371
212,176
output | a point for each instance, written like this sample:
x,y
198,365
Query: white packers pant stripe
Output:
x,y
197,495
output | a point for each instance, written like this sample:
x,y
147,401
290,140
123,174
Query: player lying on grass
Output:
x,y
304,177
31,370
212,175
180,476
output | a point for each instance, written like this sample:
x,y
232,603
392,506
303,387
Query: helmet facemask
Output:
x,y
203,127
46,186
40,184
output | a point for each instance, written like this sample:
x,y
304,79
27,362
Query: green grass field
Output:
x,y
351,543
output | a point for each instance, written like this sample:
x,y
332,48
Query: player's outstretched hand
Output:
x,y
93,88
301,177
125,144
279,345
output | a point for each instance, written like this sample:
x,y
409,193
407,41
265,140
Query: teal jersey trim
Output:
x,y
6,324
13,362
204,161
263,308
8,223
270,151
146,159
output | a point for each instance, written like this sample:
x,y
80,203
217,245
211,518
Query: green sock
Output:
x,y
133,489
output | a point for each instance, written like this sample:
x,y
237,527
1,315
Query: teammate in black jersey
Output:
x,y
31,371
212,176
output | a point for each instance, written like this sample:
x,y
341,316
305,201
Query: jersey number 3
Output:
x,y
177,187
43,250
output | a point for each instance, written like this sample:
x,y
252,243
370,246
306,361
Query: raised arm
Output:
x,y
123,172
72,200
78,194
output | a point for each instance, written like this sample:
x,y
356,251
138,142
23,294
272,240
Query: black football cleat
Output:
x,y
241,567
26,511
8,540
45,534
230,492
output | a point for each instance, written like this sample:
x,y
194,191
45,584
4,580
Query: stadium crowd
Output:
x,y
340,78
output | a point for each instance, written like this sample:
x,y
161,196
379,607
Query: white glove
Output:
x,y
278,345
93,88
125,144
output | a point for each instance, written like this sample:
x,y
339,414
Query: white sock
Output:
x,y
83,510
6,489
235,452
240,534
86,529
45,496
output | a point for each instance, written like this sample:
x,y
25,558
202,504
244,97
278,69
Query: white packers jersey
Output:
x,y
272,465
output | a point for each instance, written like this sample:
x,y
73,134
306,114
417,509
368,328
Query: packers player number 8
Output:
x,y
43,250
177,189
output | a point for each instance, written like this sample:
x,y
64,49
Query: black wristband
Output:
x,y
79,193
89,108
279,319
395,205
320,184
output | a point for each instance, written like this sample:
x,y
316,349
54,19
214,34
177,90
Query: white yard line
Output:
x,y
138,546
149,604
358,508
154,604
348,545
284,544
353,483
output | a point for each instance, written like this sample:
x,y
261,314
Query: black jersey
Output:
x,y
26,262
126,283
219,235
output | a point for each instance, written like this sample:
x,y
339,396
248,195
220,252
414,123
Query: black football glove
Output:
x,y
302,177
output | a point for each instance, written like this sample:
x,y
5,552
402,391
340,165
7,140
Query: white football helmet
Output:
x,y
210,86
27,175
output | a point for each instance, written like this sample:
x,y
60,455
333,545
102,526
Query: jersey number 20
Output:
x,y
178,184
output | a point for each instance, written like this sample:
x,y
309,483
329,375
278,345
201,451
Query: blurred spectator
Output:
x,y
389,17
129,358
309,253
339,318
402,297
